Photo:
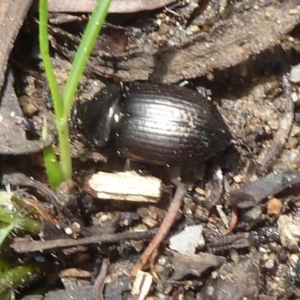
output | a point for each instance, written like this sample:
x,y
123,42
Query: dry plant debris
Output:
x,y
117,6
126,186
258,259
11,116
250,30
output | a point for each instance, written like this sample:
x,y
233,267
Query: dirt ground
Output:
x,y
236,224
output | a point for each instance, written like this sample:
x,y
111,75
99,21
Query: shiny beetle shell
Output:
x,y
158,124
173,125
97,115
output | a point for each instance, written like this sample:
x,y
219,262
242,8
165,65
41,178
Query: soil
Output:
x,y
237,224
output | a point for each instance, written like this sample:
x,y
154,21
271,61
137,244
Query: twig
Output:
x,y
233,221
269,155
33,246
163,229
100,280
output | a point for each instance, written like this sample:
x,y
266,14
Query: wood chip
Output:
x,y
125,186
142,285
74,272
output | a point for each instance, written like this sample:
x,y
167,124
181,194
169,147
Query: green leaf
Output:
x,y
5,231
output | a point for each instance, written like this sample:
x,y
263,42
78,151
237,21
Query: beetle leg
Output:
x,y
127,165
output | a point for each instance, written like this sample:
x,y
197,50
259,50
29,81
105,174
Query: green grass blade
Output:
x,y
44,49
61,120
84,50
52,166
62,106
54,173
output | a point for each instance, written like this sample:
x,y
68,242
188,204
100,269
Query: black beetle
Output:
x,y
155,123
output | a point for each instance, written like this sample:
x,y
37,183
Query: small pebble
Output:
x,y
238,178
274,206
187,240
295,73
